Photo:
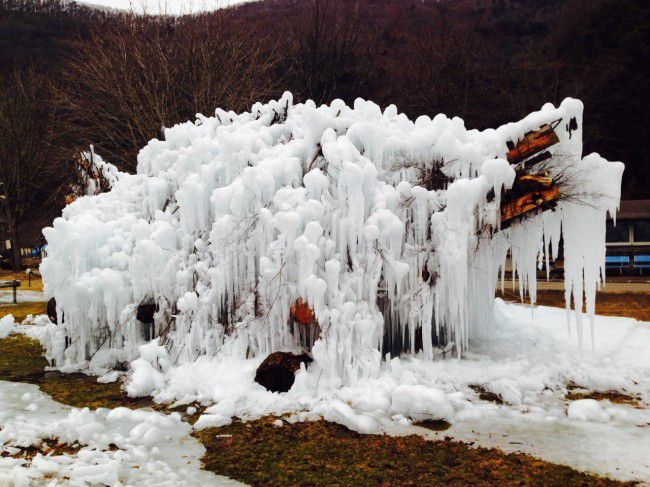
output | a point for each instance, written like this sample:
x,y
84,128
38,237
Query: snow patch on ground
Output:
x,y
152,448
588,410
7,297
528,363
620,452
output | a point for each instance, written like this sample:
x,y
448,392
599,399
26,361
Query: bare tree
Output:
x,y
330,51
141,73
28,168
445,66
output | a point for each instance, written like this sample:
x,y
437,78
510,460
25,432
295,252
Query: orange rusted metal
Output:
x,y
301,312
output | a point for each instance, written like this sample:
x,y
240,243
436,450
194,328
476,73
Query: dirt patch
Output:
x,y
434,424
320,453
577,392
632,305
485,395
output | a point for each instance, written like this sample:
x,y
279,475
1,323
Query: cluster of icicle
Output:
x,y
232,218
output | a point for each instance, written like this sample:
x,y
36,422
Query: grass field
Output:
x,y
36,283
321,454
21,310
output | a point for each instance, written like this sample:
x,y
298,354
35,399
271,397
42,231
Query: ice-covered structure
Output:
x,y
386,230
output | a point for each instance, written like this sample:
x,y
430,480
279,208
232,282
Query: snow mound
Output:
x,y
147,371
386,228
587,410
421,403
7,324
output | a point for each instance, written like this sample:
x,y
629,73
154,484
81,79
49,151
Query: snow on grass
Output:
x,y
530,365
588,410
118,447
7,297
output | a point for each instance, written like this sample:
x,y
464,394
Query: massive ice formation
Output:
x,y
387,228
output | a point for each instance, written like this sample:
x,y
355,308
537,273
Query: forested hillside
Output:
x,y
114,80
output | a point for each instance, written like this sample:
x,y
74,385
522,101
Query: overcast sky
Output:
x,y
172,7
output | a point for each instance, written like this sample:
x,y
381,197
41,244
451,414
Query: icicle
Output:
x,y
388,230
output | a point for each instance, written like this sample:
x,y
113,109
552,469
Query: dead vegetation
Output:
x,y
321,453
576,392
485,395
36,283
628,304
49,447
20,311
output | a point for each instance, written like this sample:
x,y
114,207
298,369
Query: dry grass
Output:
x,y
628,304
21,360
576,392
21,310
36,285
325,454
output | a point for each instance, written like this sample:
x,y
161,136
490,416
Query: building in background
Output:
x,y
628,242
